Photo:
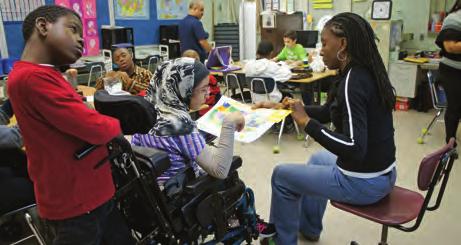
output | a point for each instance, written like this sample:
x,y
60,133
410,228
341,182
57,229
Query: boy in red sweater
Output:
x,y
73,197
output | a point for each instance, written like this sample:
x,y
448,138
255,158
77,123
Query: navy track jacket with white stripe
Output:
x,y
364,136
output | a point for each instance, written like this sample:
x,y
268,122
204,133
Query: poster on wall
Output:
x,y
86,9
171,9
14,10
131,9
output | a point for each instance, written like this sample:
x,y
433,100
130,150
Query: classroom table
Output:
x,y
306,83
315,77
89,92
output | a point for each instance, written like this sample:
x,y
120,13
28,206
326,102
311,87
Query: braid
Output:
x,y
363,52
50,12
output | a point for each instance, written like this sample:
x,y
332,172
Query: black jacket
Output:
x,y
364,136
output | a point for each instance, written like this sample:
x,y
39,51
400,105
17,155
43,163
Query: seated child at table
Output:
x,y
293,54
264,67
135,80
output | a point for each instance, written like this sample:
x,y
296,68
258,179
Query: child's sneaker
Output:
x,y
265,229
267,241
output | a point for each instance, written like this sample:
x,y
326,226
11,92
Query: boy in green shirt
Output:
x,y
293,54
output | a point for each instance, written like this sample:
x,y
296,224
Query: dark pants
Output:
x,y
103,225
16,189
451,82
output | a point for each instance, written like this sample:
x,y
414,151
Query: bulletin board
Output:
x,y
86,9
17,10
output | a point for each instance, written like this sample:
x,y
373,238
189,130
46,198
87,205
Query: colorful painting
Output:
x,y
90,27
76,5
87,11
257,122
64,3
89,8
91,45
131,9
171,9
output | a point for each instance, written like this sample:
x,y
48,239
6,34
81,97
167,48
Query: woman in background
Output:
x,y
449,40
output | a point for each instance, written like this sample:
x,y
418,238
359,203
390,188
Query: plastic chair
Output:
x,y
153,61
164,51
402,205
439,102
232,82
25,211
94,67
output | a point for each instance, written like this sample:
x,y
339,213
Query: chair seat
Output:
x,y
399,207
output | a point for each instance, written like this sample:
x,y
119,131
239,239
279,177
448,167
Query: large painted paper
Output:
x,y
171,9
131,9
257,122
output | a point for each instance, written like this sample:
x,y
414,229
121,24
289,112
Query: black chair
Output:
x,y
439,102
237,81
184,209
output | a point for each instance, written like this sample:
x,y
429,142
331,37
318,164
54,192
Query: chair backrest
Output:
x,y
136,115
234,81
437,93
427,174
153,62
434,168
261,85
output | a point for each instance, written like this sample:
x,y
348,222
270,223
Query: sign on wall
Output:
x,y
171,9
17,10
131,9
86,9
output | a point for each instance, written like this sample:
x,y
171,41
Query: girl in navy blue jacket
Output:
x,y
358,165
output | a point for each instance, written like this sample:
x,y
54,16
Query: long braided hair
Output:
x,y
362,51
456,6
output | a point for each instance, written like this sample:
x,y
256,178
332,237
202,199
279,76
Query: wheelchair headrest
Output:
x,y
136,115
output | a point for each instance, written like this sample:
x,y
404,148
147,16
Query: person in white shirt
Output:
x,y
263,66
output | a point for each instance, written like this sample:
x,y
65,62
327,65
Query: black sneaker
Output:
x,y
265,229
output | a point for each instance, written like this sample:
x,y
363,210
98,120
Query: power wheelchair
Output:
x,y
186,209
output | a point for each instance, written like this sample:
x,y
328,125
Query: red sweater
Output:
x,y
55,123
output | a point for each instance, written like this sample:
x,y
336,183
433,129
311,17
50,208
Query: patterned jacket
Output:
x,y
136,83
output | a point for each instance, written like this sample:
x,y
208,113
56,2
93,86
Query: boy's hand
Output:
x,y
238,119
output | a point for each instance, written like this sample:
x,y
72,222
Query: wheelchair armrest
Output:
x,y
156,160
205,182
236,163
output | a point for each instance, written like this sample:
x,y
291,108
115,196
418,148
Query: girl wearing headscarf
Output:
x,y
177,87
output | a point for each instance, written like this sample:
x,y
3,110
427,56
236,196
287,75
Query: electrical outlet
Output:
x,y
421,37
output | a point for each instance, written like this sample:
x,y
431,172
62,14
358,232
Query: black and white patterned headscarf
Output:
x,y
170,90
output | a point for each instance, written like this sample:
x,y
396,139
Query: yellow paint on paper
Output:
x,y
322,1
323,6
279,115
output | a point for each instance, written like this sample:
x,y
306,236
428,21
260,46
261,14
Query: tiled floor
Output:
x,y
440,227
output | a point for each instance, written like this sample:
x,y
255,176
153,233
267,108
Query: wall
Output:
x,y
145,31
415,18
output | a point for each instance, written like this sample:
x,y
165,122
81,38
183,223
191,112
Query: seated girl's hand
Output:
x,y
268,105
238,120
